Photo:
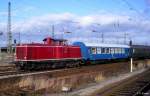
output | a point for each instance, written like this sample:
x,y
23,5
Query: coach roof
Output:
x,y
106,45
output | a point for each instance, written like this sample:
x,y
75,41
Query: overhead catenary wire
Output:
x,y
141,16
135,9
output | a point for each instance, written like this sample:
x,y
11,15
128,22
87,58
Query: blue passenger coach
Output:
x,y
96,51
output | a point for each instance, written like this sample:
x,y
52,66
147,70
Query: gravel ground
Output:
x,y
6,59
94,87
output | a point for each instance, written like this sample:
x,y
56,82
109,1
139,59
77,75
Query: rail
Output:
x,y
134,86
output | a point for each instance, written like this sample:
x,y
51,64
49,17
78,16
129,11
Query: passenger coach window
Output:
x,y
116,50
123,51
98,50
112,50
102,50
107,50
93,50
133,50
119,50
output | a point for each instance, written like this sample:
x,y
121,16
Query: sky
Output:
x,y
118,21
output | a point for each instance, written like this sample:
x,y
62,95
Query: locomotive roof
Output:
x,y
54,39
106,45
140,46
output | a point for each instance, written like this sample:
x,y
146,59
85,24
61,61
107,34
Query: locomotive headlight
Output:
x,y
25,57
15,56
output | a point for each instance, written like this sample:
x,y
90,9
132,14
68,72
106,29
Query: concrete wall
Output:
x,y
47,83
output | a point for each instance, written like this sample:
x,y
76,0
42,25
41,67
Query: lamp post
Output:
x,y
125,37
19,35
102,34
53,31
67,32
65,29
116,26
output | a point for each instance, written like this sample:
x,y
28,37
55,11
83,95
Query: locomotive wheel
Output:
x,y
53,66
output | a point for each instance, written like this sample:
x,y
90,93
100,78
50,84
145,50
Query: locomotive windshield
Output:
x,y
52,41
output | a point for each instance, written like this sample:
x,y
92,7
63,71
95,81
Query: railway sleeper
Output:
x,y
143,82
125,93
136,87
145,88
130,91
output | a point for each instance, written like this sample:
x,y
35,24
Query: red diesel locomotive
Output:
x,y
53,53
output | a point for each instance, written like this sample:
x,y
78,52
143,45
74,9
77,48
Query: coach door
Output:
x,y
112,51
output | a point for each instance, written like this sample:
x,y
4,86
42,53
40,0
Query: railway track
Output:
x,y
8,73
4,68
58,72
11,74
8,70
62,72
134,86
11,69
65,73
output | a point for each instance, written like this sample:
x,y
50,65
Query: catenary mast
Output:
x,y
9,34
